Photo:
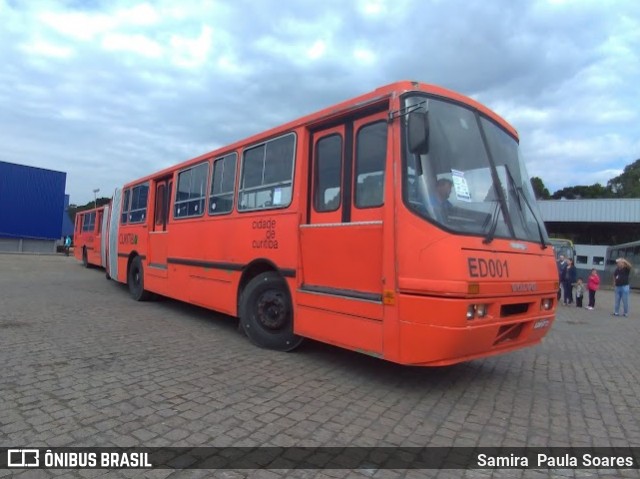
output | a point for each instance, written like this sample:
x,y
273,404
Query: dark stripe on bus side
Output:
x,y
158,266
347,293
287,272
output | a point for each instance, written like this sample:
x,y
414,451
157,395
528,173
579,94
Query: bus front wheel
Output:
x,y
266,313
135,281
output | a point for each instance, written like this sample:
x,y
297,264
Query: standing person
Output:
x,y
562,265
570,275
67,245
593,284
621,283
579,293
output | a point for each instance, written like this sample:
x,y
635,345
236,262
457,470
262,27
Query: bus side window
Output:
x,y
191,191
139,197
160,205
328,173
371,153
266,180
125,207
223,184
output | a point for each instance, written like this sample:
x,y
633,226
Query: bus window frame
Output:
x,y
210,197
127,203
186,202
89,224
270,186
317,169
143,218
356,163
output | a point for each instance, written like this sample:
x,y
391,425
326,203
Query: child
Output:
x,y
579,293
593,285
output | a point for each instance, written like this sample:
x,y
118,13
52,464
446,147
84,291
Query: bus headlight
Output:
x,y
476,311
471,311
546,304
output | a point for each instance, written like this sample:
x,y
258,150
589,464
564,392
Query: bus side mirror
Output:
x,y
418,132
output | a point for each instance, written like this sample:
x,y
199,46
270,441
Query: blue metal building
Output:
x,y
67,225
31,208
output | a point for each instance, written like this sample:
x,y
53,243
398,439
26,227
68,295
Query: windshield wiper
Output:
x,y
493,226
519,194
526,201
497,184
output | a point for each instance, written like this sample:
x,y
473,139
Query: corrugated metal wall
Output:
x,y
591,211
31,202
67,225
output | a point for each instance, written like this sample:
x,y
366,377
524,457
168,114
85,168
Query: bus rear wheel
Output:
x,y
135,280
266,313
85,260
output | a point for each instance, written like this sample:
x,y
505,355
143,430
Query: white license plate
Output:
x,y
541,323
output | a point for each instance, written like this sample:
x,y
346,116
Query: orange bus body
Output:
x,y
360,270
87,236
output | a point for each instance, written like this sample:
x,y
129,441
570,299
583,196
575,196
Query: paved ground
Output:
x,y
84,365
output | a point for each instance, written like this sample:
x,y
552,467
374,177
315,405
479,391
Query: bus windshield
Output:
x,y
472,180
562,247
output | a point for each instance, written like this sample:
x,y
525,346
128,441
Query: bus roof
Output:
x,y
377,96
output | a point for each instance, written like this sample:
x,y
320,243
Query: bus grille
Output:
x,y
513,309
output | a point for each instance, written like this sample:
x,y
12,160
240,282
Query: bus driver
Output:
x,y
440,200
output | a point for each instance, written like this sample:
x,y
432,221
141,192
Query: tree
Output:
x,y
541,192
73,209
627,184
583,192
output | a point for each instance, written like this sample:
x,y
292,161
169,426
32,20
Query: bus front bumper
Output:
x,y
436,331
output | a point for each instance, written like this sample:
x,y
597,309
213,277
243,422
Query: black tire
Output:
x,y
85,261
266,313
135,281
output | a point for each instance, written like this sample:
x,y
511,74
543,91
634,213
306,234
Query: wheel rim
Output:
x,y
272,310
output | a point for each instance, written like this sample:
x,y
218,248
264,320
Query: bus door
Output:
x,y
341,244
158,236
97,242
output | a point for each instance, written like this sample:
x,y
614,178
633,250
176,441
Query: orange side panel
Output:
x,y
212,290
351,307
325,252
351,332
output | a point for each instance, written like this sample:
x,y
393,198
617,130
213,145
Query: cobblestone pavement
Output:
x,y
84,365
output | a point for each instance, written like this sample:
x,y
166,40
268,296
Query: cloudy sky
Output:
x,y
110,90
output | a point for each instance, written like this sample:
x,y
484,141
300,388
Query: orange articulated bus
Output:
x,y
88,240
400,224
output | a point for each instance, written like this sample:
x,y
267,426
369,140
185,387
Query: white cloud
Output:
x,y
141,15
45,48
372,7
317,50
138,44
136,85
364,55
191,52
81,26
